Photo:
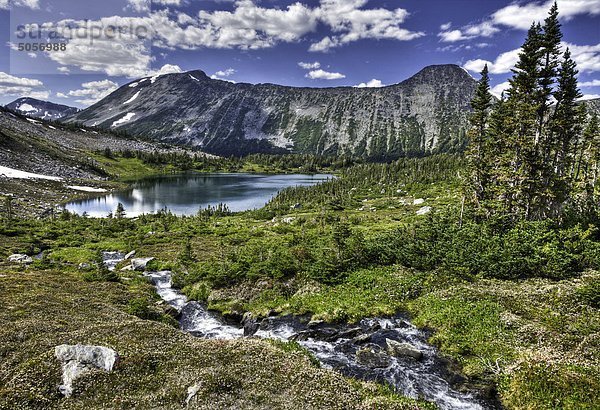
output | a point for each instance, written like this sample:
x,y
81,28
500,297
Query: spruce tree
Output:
x,y
524,103
479,165
566,130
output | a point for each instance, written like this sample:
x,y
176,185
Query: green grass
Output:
x,y
519,316
42,309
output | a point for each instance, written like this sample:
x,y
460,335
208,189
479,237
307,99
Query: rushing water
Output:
x,y
186,194
335,347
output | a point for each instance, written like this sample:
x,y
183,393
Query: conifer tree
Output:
x,y
479,166
566,130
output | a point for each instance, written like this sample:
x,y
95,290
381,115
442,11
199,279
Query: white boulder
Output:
x,y
78,360
20,258
423,211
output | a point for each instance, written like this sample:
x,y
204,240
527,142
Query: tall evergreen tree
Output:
x,y
477,155
524,103
551,39
566,130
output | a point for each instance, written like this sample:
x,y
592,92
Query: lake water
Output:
x,y
186,194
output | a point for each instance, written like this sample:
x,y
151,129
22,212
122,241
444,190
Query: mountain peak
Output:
x,y
32,107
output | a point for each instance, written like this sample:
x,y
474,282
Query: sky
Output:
x,y
97,46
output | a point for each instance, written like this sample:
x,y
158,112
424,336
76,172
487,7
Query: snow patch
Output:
x,y
193,78
86,188
26,108
33,121
50,126
133,85
123,120
132,99
15,173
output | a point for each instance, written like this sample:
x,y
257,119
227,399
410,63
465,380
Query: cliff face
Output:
x,y
424,114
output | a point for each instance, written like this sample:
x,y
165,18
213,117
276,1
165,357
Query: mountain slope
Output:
x,y
45,110
426,113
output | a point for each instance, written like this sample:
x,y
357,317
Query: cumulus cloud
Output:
x,y
8,4
324,75
310,66
593,83
142,6
350,23
502,64
247,26
91,92
374,83
519,16
589,97
587,58
499,88
11,86
223,74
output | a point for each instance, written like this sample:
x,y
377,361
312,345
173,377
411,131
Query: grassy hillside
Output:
x,y
514,306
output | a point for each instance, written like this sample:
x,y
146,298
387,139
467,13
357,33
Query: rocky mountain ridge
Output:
x,y
44,110
424,114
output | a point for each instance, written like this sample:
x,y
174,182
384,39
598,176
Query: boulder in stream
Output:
x,y
374,360
139,264
401,350
78,360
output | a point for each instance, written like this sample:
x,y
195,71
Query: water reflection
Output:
x,y
186,194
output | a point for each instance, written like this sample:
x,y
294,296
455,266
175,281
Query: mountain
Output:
x,y
45,110
424,114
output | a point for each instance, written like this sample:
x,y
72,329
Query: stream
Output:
x,y
386,350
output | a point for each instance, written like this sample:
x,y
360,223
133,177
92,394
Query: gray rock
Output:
x,y
374,360
401,350
191,392
78,360
20,258
84,266
360,339
139,264
130,255
424,211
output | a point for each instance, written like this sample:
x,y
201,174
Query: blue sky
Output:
x,y
338,42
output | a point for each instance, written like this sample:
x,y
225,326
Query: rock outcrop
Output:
x,y
78,360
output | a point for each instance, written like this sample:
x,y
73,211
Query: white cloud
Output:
x,y
520,16
446,26
142,6
593,83
223,74
166,69
374,83
7,4
91,92
7,79
589,97
324,75
586,57
351,23
246,26
502,64
11,86
310,66
499,88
